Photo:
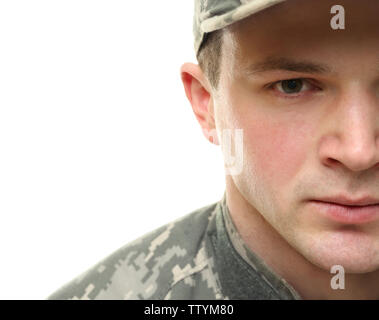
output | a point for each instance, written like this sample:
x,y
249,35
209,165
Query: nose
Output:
x,y
353,132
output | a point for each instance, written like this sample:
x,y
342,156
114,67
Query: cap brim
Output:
x,y
220,21
243,11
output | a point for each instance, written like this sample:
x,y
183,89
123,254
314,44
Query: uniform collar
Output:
x,y
242,273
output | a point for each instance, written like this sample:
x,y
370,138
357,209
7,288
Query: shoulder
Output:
x,y
170,262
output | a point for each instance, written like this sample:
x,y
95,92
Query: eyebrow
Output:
x,y
287,64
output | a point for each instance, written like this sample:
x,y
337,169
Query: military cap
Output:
x,y
211,15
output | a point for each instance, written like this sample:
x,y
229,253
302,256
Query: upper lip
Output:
x,y
350,201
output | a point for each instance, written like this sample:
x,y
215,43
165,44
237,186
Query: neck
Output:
x,y
310,281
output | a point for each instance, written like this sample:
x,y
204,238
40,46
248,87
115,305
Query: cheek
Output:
x,y
277,151
276,142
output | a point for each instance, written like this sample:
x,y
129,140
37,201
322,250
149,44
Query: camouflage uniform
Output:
x,y
198,256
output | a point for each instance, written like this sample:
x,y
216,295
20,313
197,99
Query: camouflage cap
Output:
x,y
211,15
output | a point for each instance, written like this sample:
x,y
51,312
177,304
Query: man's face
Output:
x,y
309,138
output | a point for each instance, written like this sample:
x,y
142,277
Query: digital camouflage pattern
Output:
x,y
199,256
211,15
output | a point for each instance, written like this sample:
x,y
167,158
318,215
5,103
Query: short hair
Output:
x,y
209,56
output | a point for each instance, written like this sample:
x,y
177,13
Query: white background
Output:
x,y
98,142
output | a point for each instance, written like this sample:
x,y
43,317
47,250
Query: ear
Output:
x,y
198,92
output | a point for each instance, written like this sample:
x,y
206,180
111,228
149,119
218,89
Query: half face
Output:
x,y
307,99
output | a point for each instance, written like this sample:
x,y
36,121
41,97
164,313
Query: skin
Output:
x,y
320,141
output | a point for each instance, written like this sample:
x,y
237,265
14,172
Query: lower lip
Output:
x,y
348,214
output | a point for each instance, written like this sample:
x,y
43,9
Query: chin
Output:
x,y
356,253
357,265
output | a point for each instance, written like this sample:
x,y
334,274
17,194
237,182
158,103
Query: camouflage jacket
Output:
x,y
199,256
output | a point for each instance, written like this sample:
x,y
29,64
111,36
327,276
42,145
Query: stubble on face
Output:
x,y
283,165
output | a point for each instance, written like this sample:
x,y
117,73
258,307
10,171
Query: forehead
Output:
x,y
299,25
